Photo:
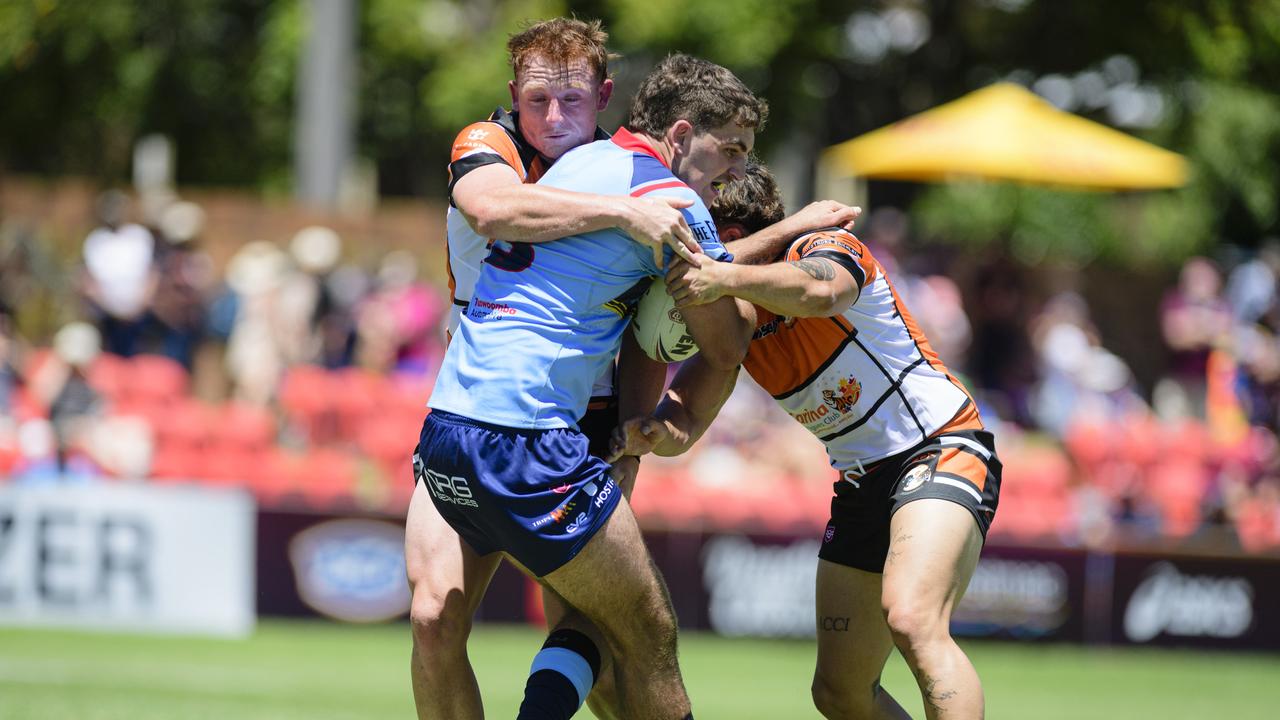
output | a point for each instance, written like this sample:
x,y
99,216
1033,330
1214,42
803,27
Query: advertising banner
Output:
x,y
135,558
1196,602
759,585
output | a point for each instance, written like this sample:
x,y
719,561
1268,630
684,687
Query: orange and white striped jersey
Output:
x,y
865,382
496,140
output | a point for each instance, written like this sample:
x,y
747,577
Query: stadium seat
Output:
x,y
245,427
307,397
277,478
187,424
156,377
109,375
176,463
327,479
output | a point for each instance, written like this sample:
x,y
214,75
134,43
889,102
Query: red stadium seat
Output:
x,y
246,427
277,478
157,377
187,424
307,397
109,375
327,478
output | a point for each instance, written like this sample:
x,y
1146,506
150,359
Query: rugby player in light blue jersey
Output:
x,y
500,452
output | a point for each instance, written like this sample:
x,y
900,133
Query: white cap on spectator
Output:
x,y
182,222
398,269
77,344
316,249
255,268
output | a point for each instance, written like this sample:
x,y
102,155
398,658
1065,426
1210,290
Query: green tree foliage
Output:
x,y
82,81
1215,63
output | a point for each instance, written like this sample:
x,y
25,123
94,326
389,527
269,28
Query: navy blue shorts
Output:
x,y
536,495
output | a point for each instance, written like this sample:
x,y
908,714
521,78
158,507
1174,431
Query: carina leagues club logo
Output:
x,y
845,396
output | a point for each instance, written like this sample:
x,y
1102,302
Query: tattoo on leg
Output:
x,y
894,551
817,269
934,695
835,624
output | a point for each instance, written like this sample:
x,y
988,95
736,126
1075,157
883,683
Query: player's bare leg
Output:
x,y
934,548
614,583
447,580
853,644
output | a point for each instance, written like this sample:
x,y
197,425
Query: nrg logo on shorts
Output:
x,y
444,488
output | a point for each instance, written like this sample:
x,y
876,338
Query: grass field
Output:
x,y
321,671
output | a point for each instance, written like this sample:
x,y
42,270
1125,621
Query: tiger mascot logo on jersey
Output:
x,y
845,396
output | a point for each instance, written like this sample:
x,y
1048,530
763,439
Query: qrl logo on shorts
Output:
x,y
448,489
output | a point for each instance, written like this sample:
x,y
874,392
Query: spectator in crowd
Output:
x,y
255,361
399,324
345,288
303,300
1002,362
1194,319
9,377
119,277
184,275
61,384
1079,380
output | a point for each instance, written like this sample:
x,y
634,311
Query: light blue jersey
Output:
x,y
545,320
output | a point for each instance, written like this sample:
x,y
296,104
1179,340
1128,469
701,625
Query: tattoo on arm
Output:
x,y
816,268
835,624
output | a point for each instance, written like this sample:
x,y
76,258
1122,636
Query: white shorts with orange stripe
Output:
x,y
960,467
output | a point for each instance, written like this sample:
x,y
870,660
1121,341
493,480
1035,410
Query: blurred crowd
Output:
x,y
303,376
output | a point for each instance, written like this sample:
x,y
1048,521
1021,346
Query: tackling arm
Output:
x,y
764,246
497,204
812,286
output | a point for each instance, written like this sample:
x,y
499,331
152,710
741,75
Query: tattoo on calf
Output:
x,y
835,624
817,269
933,695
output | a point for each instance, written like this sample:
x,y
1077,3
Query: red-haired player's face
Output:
x,y
558,104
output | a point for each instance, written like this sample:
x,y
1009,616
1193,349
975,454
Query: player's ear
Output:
x,y
606,92
515,95
730,232
680,134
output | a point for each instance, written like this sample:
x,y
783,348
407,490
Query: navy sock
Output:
x,y
561,677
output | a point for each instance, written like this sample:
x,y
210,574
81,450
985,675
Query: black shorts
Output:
x,y
959,466
598,423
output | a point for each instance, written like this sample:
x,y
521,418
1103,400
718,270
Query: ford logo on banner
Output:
x,y
352,570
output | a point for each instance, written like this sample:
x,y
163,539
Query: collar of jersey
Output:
x,y
625,140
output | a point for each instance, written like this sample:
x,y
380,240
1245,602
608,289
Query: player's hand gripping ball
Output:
x,y
659,326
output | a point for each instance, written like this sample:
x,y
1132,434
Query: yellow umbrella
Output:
x,y
1005,132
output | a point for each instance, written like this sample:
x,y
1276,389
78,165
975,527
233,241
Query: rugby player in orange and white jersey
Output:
x,y
919,477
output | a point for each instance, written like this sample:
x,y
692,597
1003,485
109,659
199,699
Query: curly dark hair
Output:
x,y
683,87
754,202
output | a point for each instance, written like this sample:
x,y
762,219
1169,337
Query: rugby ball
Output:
x,y
659,326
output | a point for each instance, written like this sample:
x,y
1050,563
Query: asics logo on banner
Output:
x,y
448,489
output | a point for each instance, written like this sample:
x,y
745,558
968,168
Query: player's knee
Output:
x,y
439,627
842,699
914,625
